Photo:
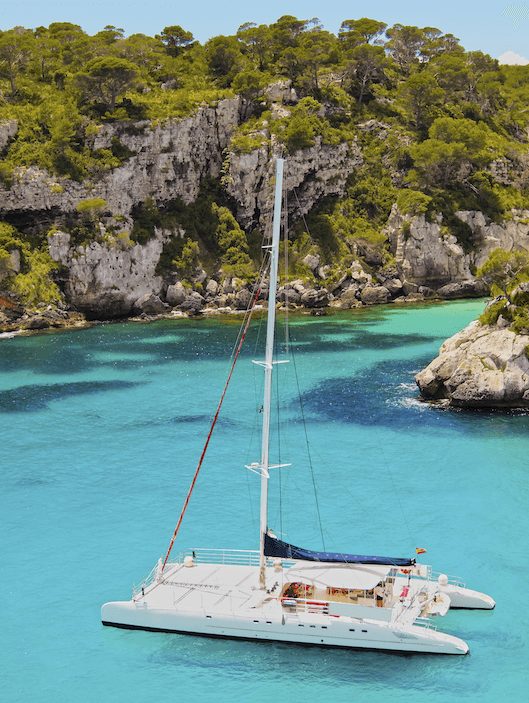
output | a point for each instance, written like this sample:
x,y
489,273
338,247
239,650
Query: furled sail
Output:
x,y
274,547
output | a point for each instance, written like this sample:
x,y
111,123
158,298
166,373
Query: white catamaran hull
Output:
x,y
220,600
312,629
460,597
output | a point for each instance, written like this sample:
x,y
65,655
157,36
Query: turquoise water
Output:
x,y
101,430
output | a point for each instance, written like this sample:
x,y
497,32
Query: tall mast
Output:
x,y
268,364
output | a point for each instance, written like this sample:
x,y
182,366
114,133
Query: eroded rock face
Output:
x,y
253,177
423,255
8,130
483,366
106,280
428,255
169,159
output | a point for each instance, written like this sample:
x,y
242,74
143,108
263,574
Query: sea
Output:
x,y
101,430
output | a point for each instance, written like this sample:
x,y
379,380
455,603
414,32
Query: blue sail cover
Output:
x,y
274,547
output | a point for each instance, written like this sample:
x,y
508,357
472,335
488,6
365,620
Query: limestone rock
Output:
x,y
149,304
315,298
252,178
393,285
169,160
281,91
175,294
481,366
212,288
10,308
8,130
289,294
38,322
192,304
463,289
106,280
428,254
423,254
312,261
374,295
243,298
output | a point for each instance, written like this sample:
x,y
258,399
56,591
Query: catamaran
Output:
x,y
289,594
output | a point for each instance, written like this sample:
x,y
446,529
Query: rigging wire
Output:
x,y
241,337
290,352
303,216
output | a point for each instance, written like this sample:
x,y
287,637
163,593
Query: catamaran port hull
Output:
x,y
326,631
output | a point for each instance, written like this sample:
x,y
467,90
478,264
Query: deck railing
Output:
x,y
242,557
237,557
452,580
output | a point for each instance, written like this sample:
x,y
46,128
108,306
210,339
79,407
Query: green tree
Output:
x,y
437,163
452,74
435,44
473,136
354,33
504,270
420,93
225,59
232,243
405,45
110,35
147,53
479,64
367,64
65,31
286,34
291,62
92,208
455,147
105,78
304,124
176,39
15,50
256,41
249,83
33,284
316,49
186,264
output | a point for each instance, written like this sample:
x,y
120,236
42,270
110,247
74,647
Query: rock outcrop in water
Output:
x,y
483,366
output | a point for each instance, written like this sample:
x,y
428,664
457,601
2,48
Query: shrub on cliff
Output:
x,y
32,284
504,270
232,244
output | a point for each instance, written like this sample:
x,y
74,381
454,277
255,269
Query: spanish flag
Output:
x,y
419,550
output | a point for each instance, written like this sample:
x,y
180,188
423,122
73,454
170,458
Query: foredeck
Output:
x,y
209,586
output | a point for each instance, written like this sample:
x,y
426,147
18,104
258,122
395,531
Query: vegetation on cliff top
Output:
x,y
504,272
440,129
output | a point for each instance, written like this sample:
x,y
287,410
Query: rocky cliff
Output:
x,y
170,158
428,255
